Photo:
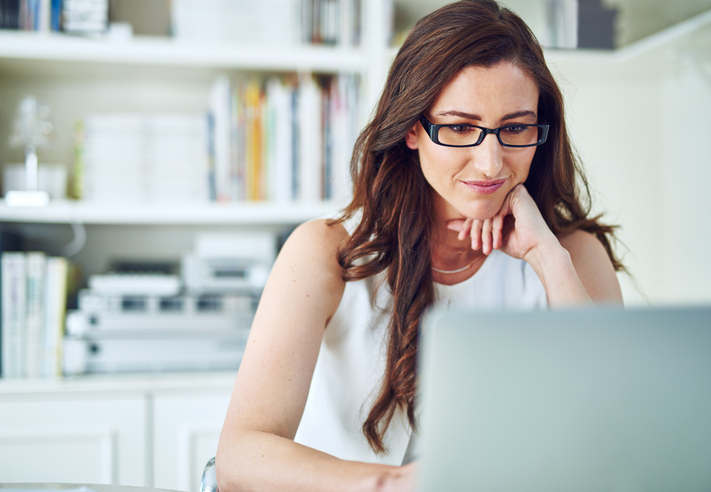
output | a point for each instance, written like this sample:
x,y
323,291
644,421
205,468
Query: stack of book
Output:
x,y
283,139
274,22
26,15
74,16
143,157
332,22
34,296
84,16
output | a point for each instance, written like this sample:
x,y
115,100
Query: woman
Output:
x,y
465,192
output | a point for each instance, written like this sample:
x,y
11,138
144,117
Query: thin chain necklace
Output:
x,y
458,270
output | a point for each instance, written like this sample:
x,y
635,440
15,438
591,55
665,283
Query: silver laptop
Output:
x,y
588,400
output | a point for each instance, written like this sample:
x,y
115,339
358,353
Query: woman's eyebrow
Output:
x,y
471,116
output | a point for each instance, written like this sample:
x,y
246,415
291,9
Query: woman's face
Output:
x,y
473,181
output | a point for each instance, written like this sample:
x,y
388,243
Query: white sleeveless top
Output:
x,y
351,362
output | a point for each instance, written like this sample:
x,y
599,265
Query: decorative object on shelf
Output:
x,y
31,131
51,178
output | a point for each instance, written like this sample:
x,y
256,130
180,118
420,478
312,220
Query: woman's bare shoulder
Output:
x,y
313,246
321,234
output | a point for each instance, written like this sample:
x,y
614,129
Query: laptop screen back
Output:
x,y
588,400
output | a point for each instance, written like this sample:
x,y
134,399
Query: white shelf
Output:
x,y
28,46
113,383
67,212
649,44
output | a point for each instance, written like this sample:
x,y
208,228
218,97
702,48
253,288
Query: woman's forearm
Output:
x,y
260,461
554,267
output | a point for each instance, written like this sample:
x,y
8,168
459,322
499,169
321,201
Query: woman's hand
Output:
x,y
574,269
517,229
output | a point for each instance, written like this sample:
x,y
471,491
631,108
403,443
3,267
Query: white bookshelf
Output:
x,y
27,47
163,427
651,45
198,214
80,75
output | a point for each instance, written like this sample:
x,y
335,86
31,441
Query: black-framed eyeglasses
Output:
x,y
466,135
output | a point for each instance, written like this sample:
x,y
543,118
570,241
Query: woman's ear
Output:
x,y
411,138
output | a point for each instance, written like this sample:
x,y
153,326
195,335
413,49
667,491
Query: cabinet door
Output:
x,y
73,440
186,430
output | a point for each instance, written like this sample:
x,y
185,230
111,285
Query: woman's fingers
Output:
x,y
456,224
486,240
497,230
476,234
465,230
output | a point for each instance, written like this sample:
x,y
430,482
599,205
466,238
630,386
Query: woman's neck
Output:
x,y
453,260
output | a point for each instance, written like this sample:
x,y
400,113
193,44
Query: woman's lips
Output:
x,y
485,187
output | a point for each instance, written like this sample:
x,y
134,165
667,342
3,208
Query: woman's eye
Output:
x,y
515,129
461,128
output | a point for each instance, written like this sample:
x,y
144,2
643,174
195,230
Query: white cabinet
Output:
x,y
73,439
153,431
186,429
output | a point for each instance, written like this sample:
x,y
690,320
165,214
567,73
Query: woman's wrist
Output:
x,y
547,255
554,267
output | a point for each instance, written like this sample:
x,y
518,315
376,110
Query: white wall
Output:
x,y
613,115
684,228
640,127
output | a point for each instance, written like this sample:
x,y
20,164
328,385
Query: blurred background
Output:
x,y
155,155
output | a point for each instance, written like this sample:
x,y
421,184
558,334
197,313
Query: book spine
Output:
x,y
44,15
36,265
221,134
310,152
14,292
56,16
253,100
55,311
295,143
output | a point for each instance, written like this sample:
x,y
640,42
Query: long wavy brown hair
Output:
x,y
396,228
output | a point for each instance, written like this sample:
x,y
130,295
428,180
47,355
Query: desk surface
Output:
x,y
77,487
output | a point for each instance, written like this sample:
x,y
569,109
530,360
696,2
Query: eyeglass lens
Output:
x,y
468,135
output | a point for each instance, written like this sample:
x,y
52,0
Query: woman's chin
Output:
x,y
480,210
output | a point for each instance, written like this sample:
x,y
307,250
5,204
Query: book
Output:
x,y
54,317
56,15
36,263
254,166
282,138
279,130
14,292
220,110
310,151
10,14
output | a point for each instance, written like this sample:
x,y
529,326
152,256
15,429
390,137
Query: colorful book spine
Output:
x,y
287,139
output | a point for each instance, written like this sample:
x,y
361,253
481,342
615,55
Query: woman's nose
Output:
x,y
488,156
